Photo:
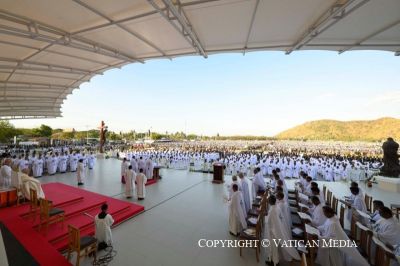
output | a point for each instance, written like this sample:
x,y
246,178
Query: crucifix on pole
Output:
x,y
103,131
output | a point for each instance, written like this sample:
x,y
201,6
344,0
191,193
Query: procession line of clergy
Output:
x,y
135,174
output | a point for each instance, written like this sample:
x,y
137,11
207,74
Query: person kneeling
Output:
x,y
103,222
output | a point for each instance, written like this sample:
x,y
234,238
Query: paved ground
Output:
x,y
180,209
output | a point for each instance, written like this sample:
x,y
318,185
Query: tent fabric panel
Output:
x,y
121,40
214,29
65,60
160,32
285,21
370,18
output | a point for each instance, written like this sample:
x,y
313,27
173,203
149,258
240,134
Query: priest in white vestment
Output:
x,y
52,165
275,230
377,205
141,163
258,181
103,222
28,183
37,166
315,191
91,161
282,184
358,202
285,210
317,215
245,192
134,165
229,187
336,256
73,162
237,212
124,168
149,168
5,173
141,180
80,172
388,227
130,179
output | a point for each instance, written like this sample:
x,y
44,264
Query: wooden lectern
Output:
x,y
218,173
156,172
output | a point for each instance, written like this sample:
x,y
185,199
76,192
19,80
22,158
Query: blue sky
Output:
x,y
261,93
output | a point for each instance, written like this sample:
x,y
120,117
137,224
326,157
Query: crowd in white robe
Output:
x,y
319,168
50,163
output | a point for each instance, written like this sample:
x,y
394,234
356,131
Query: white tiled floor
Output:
x,y
180,209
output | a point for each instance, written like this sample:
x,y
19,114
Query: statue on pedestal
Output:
x,y
391,166
103,131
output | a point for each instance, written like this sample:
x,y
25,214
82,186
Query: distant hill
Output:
x,y
368,130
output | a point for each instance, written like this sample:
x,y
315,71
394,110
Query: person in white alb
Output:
x,y
318,217
37,166
237,215
91,161
103,222
141,180
332,256
80,172
275,228
124,168
245,191
5,173
130,178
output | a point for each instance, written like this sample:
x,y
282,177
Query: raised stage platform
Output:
x,y
76,203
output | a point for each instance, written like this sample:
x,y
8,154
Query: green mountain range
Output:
x,y
366,130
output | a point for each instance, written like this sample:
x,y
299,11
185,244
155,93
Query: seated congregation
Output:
x,y
310,225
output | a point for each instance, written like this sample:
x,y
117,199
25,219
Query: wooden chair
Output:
x,y
383,255
257,201
295,207
334,203
368,202
294,202
255,235
353,228
341,215
303,260
77,244
49,215
300,234
34,204
365,241
16,182
255,211
328,197
312,250
292,195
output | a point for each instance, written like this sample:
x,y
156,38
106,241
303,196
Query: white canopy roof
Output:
x,y
49,47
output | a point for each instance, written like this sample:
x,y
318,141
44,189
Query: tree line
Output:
x,y
8,131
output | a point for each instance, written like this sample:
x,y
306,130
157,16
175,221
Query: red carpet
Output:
x,y
75,202
151,182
